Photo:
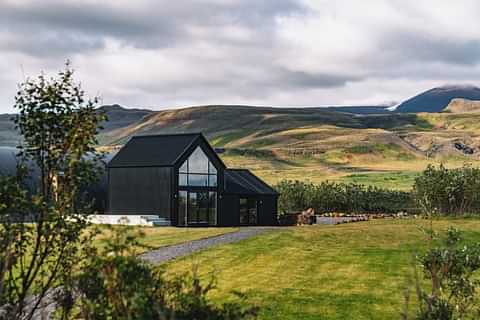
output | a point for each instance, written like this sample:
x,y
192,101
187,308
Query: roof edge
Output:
x,y
164,135
274,192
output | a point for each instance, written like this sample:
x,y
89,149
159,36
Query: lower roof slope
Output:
x,y
242,181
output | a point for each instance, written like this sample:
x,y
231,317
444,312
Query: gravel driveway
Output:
x,y
179,250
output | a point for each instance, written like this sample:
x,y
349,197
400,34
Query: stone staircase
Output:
x,y
156,221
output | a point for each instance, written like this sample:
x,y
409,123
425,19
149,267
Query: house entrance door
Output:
x,y
197,208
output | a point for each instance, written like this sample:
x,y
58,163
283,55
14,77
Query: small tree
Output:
x,y
450,267
59,126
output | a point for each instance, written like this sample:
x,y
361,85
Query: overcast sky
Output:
x,y
164,54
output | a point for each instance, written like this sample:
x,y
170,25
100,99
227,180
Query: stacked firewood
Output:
x,y
306,217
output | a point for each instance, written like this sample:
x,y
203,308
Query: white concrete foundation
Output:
x,y
132,220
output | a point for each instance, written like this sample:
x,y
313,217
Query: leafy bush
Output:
x,y
450,268
448,191
114,283
350,198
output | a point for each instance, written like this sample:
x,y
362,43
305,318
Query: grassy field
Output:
x,y
319,144
166,236
351,271
315,144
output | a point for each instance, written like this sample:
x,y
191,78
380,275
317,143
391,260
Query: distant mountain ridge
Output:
x,y
119,116
437,99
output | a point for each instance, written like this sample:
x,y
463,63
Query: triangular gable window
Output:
x,y
197,171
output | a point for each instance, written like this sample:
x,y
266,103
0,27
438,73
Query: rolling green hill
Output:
x,y
387,149
316,144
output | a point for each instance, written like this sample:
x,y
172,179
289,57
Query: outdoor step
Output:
x,y
156,220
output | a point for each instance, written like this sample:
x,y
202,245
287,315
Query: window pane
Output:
x,y
212,212
198,162
192,207
182,179
252,215
243,211
248,211
202,200
198,180
243,216
211,168
212,180
184,167
182,207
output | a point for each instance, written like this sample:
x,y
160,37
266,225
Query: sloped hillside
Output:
x,y
8,135
118,117
228,123
386,149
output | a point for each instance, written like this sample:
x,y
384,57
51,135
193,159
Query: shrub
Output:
x,y
450,269
448,191
114,283
349,198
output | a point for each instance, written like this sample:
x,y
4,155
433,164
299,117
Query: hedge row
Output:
x,y
341,197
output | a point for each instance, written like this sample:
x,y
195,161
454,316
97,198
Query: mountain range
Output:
x,y
437,99
369,144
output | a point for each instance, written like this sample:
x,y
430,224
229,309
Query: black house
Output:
x,y
179,177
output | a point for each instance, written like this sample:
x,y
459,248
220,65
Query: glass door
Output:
x,y
197,208
199,204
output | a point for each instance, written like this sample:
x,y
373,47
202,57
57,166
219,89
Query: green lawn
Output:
x,y
156,237
350,271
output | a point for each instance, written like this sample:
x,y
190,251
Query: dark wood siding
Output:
x,y
228,213
267,211
143,190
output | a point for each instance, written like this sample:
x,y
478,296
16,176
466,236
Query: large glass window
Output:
x,y
202,207
248,211
197,171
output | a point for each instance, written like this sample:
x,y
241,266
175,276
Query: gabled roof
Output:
x,y
155,150
242,181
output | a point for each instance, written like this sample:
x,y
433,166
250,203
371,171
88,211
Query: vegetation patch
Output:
x,y
226,138
388,150
165,236
326,272
399,180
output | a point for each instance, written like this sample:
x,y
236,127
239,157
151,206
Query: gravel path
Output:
x,y
179,250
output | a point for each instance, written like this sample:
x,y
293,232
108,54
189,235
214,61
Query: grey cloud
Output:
x,y
51,44
159,24
302,79
415,46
